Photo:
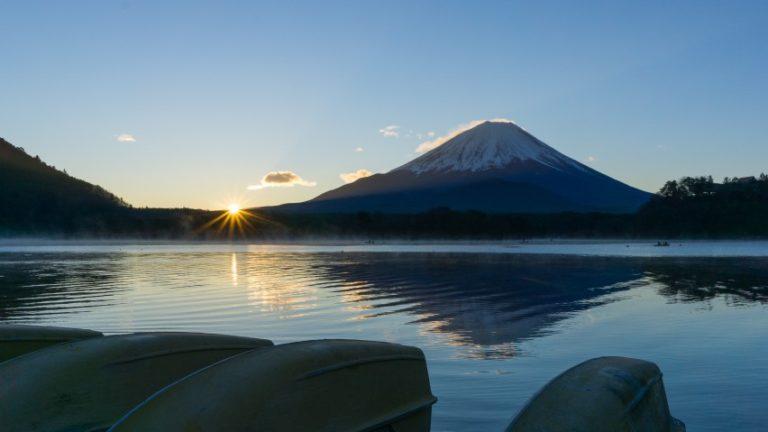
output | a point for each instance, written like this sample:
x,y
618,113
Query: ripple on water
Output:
x,y
494,327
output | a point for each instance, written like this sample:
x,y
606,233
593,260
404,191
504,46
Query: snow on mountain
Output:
x,y
495,167
490,145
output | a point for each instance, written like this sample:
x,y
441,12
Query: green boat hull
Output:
x,y
327,385
88,385
16,340
605,394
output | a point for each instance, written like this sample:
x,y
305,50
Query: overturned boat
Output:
x,y
326,385
89,384
16,339
80,380
605,394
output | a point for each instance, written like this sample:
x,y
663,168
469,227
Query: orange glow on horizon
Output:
x,y
236,221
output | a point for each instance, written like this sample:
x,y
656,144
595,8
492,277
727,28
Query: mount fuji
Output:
x,y
494,167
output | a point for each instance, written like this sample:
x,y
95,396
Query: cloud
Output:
x,y
126,138
437,142
281,179
591,158
359,149
390,131
355,175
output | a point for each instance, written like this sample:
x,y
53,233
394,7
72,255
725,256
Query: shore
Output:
x,y
588,247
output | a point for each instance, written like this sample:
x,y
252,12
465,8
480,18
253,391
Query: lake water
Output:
x,y
496,322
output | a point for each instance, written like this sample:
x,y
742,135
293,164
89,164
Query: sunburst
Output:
x,y
235,221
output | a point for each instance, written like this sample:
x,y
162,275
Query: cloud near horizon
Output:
x,y
281,179
355,175
437,142
390,131
126,138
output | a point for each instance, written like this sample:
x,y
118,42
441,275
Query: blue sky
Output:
x,y
217,94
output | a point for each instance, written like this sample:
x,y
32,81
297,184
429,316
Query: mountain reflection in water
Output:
x,y
482,300
488,302
494,301
494,327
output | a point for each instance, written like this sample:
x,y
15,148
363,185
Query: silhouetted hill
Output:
x,y
36,195
39,200
700,207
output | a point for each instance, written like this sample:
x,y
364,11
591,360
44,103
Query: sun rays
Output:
x,y
234,222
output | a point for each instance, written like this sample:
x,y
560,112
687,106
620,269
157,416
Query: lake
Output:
x,y
496,321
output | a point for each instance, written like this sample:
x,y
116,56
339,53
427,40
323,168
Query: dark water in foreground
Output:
x,y
494,327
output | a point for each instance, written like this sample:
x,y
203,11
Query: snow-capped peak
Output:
x,y
489,145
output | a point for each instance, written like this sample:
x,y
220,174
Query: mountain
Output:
x,y
495,167
34,195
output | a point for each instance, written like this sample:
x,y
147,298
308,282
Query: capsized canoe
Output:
x,y
87,385
17,339
325,385
605,394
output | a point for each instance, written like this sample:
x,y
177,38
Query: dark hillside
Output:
x,y
37,196
37,199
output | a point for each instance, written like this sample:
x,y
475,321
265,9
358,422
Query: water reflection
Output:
x,y
737,280
32,284
233,268
282,284
471,313
487,303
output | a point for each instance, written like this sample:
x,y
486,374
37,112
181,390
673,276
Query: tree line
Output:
x,y
700,207
38,200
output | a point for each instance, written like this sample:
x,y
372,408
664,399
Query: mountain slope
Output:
x,y
490,146
479,195
494,167
34,195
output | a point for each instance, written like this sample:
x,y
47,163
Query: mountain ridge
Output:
x,y
33,193
489,151
489,145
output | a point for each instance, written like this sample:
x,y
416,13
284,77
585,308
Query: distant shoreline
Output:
x,y
577,247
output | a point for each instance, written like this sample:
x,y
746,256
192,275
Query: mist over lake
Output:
x,y
495,327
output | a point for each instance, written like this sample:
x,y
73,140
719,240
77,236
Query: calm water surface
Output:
x,y
495,326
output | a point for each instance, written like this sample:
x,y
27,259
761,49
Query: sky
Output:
x,y
200,104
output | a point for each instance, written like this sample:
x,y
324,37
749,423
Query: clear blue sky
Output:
x,y
218,94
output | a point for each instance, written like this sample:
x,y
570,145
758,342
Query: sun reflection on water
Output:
x,y
274,287
233,268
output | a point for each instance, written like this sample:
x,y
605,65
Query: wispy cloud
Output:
x,y
281,179
126,138
591,159
355,175
390,131
437,142
359,149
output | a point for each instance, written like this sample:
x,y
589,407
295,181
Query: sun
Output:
x,y
234,220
